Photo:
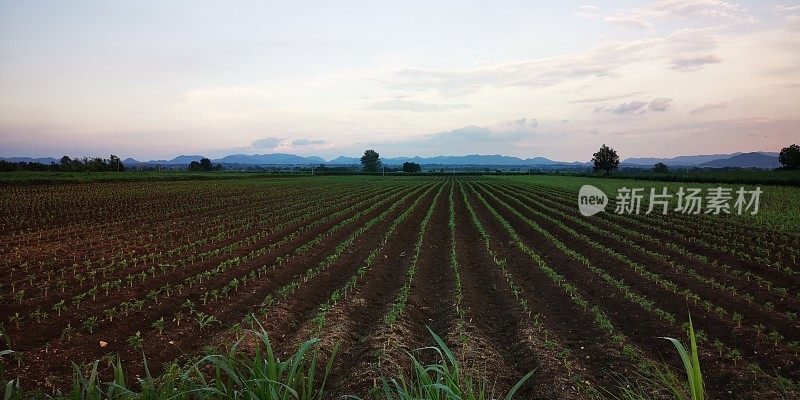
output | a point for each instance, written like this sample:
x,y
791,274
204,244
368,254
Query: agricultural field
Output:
x,y
505,269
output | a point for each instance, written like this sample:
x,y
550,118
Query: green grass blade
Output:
x,y
10,389
518,385
697,376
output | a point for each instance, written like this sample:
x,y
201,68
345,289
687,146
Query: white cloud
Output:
x,y
519,125
693,62
267,143
716,11
600,61
416,106
307,142
632,107
588,12
606,98
709,107
499,138
629,21
660,104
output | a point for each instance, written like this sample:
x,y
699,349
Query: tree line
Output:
x,y
67,164
91,164
204,165
604,160
371,162
607,160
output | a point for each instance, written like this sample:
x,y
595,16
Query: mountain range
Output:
x,y
713,160
744,160
473,159
291,159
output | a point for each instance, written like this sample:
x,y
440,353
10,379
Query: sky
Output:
x,y
155,79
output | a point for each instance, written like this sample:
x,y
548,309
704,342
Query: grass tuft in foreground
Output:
x,y
444,379
668,384
691,363
243,373
253,371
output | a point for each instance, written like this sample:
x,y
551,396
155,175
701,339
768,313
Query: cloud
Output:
x,y
518,125
782,9
629,21
267,143
693,62
793,22
600,61
709,107
625,108
416,106
660,104
706,10
684,50
692,40
497,138
473,134
692,49
606,98
588,12
306,142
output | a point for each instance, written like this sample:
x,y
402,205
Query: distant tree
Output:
x,y
194,166
660,168
95,164
115,164
606,159
6,166
205,164
67,164
371,161
411,167
789,157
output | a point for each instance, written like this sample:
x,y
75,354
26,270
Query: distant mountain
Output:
x,y
678,161
745,160
248,159
472,159
342,160
259,159
43,160
753,159
685,160
184,159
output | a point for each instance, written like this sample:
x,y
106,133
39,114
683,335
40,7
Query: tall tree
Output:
x,y
115,164
790,157
411,167
371,161
606,159
205,164
660,167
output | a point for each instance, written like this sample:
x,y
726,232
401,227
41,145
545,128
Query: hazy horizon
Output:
x,y
150,80
329,159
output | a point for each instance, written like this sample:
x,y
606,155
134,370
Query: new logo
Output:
x,y
591,200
